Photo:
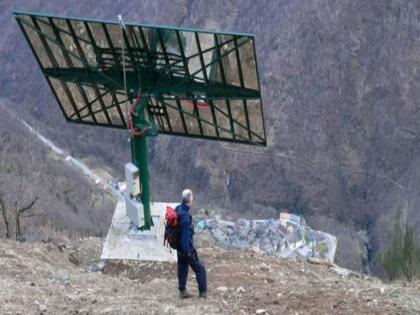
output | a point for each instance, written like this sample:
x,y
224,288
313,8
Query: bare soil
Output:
x,y
46,278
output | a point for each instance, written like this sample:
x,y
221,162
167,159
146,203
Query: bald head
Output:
x,y
187,196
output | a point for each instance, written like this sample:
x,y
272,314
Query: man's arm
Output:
x,y
184,241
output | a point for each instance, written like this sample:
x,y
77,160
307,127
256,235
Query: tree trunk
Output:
x,y
17,228
5,219
18,213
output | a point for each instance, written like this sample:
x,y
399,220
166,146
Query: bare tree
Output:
x,y
5,216
19,213
4,145
16,202
17,197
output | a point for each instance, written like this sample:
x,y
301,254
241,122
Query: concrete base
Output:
x,y
125,242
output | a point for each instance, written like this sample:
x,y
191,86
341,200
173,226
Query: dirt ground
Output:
x,y
46,278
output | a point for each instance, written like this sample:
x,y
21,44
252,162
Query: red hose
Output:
x,y
130,124
202,105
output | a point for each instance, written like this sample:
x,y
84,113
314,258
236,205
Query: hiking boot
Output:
x,y
184,294
203,295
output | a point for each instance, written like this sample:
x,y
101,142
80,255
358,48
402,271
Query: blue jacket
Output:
x,y
186,229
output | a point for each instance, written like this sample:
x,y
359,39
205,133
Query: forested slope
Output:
x,y
340,82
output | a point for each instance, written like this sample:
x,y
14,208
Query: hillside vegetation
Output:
x,y
340,83
65,204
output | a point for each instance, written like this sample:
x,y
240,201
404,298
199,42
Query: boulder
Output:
x,y
259,227
242,228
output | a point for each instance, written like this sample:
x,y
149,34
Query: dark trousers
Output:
x,y
200,272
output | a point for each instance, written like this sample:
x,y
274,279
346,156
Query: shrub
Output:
x,y
402,258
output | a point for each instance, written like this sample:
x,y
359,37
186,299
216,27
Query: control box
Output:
x,y
135,211
132,179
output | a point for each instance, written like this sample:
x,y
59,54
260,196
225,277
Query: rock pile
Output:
x,y
289,236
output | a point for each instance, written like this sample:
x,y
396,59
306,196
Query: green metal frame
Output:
x,y
163,27
163,77
139,159
175,79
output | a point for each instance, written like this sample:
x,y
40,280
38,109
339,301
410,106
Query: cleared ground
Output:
x,y
51,279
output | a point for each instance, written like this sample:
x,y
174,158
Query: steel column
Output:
x,y
139,158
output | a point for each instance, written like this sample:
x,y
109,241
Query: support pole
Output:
x,y
139,158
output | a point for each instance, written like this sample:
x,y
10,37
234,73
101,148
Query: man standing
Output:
x,y
187,255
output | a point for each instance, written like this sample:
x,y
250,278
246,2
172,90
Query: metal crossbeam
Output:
x,y
223,77
55,63
70,65
206,122
241,80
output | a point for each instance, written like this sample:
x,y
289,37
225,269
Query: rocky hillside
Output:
x,y
287,237
44,278
340,86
